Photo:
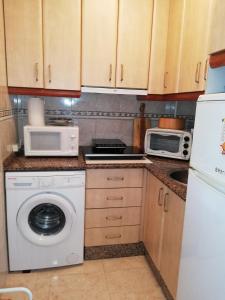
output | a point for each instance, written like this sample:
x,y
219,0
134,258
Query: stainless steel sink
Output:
x,y
180,175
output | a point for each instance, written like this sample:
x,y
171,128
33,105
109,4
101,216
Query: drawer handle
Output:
x,y
114,218
114,198
113,236
115,178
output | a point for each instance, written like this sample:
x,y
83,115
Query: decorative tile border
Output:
x,y
7,113
101,114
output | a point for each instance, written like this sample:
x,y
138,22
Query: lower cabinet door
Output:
x,y
153,223
171,241
112,235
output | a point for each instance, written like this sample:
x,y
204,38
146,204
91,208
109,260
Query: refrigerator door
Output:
x,y
208,149
202,266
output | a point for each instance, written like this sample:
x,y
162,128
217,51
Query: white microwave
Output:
x,y
168,143
51,140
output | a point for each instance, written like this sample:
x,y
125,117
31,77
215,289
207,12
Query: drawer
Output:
x,y
122,197
110,217
114,178
112,235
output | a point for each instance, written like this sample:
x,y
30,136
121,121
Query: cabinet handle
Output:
x,y
113,236
113,218
197,72
115,178
114,198
110,72
36,72
166,202
206,69
160,202
165,80
49,74
122,71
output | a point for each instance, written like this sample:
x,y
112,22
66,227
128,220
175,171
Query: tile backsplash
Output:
x,y
104,116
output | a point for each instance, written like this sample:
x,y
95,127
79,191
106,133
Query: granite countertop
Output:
x,y
160,167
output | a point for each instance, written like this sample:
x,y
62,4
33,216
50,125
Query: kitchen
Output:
x,y
60,65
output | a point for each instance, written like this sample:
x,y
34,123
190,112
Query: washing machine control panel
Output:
x,y
44,182
25,182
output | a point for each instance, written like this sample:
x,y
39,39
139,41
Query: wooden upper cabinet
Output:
x,y
158,46
99,41
23,27
194,45
62,43
217,35
170,79
3,80
172,240
134,39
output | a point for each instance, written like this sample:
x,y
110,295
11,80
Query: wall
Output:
x,y
215,80
104,116
7,138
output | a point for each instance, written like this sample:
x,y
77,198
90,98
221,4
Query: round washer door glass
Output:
x,y
46,219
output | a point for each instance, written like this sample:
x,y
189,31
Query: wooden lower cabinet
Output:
x,y
112,235
171,240
107,217
113,206
153,225
163,226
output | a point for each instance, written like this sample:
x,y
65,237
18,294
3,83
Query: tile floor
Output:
x,y
107,279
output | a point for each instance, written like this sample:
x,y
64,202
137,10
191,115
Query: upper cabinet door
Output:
x,y
3,80
99,41
194,45
134,39
217,38
23,27
173,46
62,44
158,46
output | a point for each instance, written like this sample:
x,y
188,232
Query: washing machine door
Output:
x,y
46,219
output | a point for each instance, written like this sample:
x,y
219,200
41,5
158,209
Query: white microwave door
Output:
x,y
45,141
208,149
168,143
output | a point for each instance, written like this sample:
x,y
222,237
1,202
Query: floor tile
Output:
x,y
92,285
124,263
154,295
133,280
126,278
91,266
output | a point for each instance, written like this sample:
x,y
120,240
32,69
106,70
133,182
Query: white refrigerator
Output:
x,y
202,266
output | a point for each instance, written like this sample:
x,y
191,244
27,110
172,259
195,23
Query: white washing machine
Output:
x,y
45,219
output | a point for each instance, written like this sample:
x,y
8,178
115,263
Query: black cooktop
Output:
x,y
111,149
108,144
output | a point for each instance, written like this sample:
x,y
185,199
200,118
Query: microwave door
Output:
x,y
166,143
45,142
